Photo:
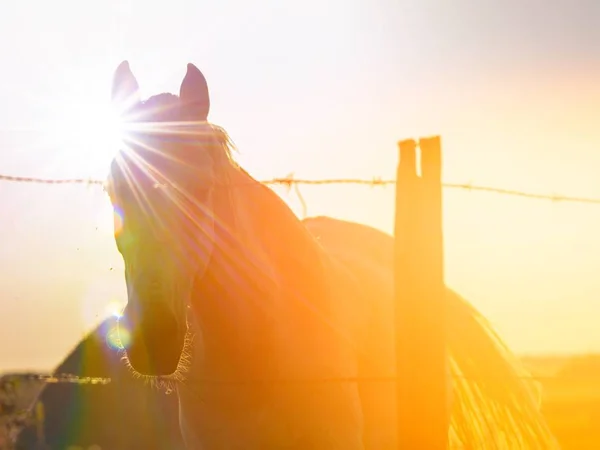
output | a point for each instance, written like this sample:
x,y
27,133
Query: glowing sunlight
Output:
x,y
241,246
86,136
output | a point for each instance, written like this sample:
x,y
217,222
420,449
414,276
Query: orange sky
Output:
x,y
321,92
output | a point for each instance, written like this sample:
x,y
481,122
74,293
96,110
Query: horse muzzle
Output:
x,y
154,340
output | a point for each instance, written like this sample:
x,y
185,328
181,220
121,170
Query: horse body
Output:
x,y
273,329
262,322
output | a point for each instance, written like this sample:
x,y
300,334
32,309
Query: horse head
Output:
x,y
161,188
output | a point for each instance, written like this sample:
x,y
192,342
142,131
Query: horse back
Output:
x,y
362,270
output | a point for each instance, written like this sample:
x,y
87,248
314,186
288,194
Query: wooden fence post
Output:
x,y
420,299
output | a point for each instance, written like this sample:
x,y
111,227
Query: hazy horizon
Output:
x,y
321,91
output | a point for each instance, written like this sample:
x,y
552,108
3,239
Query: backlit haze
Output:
x,y
323,90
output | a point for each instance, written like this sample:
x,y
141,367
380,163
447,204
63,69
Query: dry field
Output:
x,y
571,400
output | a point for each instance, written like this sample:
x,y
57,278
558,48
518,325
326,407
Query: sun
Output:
x,y
85,136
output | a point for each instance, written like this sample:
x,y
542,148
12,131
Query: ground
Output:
x,y
571,398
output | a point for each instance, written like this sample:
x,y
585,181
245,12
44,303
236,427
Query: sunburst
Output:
x,y
85,136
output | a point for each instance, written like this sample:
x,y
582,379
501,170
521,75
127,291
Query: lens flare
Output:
x,y
100,298
117,219
115,309
117,338
87,132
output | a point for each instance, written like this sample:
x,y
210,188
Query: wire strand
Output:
x,y
291,181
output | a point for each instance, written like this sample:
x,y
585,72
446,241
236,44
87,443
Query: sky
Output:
x,y
320,90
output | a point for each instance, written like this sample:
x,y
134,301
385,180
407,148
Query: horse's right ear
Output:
x,y
125,89
194,95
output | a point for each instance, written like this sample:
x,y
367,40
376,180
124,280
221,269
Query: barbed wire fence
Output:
x,y
9,414
289,182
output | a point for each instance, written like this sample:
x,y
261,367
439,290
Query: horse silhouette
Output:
x,y
273,330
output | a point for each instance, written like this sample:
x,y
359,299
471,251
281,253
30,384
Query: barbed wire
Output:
x,y
75,379
54,378
35,180
290,182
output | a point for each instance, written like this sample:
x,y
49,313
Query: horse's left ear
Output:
x,y
193,94
125,91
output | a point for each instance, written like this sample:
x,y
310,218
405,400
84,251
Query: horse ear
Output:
x,y
193,94
125,89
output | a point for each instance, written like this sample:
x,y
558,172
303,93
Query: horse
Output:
x,y
275,333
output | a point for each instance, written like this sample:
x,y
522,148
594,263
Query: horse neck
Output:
x,y
244,304
270,229
233,300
